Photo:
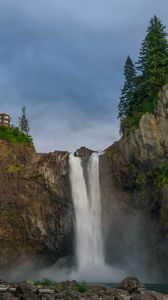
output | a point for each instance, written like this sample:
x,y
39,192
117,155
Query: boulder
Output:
x,y
83,152
130,284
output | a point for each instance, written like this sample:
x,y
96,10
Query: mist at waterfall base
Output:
x,y
111,242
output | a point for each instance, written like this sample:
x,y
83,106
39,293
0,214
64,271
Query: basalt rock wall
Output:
x,y
35,205
134,185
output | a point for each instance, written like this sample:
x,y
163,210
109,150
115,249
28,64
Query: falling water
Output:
x,y
87,206
96,243
89,248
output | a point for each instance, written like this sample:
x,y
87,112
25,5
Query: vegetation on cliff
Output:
x,y
140,92
14,135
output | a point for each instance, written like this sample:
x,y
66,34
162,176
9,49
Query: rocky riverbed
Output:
x,y
128,289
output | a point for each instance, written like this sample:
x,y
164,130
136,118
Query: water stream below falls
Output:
x,y
86,196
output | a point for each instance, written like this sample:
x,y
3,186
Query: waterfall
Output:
x,y
87,206
89,246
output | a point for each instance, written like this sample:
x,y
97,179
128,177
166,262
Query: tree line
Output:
x,y
144,78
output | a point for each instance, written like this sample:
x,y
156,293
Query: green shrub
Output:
x,y
14,168
131,122
45,282
133,119
82,287
14,136
162,175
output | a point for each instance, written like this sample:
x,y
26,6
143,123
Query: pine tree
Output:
x,y
140,92
24,123
127,93
153,60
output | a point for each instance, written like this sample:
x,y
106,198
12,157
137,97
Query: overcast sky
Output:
x,y
63,60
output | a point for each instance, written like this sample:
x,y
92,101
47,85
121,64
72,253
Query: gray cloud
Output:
x,y
69,124
66,58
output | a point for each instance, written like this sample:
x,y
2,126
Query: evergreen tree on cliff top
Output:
x,y
153,60
128,90
24,123
140,93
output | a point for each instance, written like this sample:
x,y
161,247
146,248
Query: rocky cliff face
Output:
x,y
148,143
35,205
134,184
137,164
